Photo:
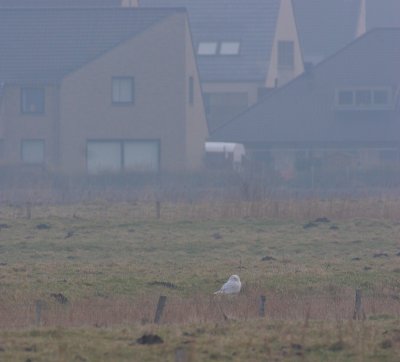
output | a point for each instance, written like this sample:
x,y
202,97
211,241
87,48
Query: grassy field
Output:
x,y
98,270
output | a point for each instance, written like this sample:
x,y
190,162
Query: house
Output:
x,y
99,90
342,114
244,48
325,26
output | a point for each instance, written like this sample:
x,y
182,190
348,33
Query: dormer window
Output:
x,y
364,98
218,48
207,48
229,48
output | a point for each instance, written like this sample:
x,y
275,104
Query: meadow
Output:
x,y
99,268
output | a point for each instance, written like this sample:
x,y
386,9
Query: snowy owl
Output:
x,y
232,286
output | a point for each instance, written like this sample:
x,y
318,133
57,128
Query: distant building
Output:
x,y
325,26
244,49
343,113
99,90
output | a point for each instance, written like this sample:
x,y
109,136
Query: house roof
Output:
x,y
303,111
250,22
382,13
58,3
325,26
46,44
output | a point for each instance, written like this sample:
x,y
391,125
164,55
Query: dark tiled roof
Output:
x,y
325,26
383,13
45,44
252,22
58,3
303,110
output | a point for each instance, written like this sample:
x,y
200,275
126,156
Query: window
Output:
x,y
191,90
123,90
363,97
229,48
286,54
32,100
367,98
116,156
141,156
207,48
345,97
32,151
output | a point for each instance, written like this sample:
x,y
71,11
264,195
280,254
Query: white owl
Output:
x,y
232,286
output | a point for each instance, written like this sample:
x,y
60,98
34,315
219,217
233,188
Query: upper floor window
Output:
x,y
123,90
207,48
378,98
229,48
286,54
218,48
32,100
32,151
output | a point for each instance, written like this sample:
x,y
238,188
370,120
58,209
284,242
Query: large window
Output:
x,y
123,90
229,48
367,98
125,155
32,100
285,54
32,151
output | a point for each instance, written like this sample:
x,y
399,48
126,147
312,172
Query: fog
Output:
x,y
192,99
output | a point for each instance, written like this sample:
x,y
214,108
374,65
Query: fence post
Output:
x,y
38,312
160,308
261,306
358,308
181,355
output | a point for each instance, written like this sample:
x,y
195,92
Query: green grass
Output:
x,y
110,262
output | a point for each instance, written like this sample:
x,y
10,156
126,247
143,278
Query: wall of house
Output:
x,y
156,60
286,31
17,126
196,122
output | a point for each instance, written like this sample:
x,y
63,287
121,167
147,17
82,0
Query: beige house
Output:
x,y
244,49
100,90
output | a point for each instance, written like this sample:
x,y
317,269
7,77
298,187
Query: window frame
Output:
x,y
357,103
121,143
230,42
121,78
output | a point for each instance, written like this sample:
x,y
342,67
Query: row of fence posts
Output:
x,y
358,313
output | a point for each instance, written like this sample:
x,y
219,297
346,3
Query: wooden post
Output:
x,y
358,308
158,209
261,307
160,308
38,312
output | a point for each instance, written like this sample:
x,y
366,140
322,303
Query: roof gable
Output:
x,y
303,110
325,26
46,44
252,23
